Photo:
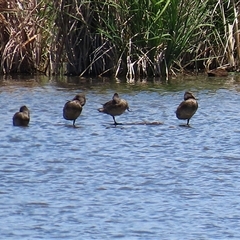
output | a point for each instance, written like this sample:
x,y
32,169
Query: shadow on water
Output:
x,y
103,85
185,125
145,123
76,126
138,123
182,83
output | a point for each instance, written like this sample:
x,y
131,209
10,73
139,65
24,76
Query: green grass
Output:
x,y
134,38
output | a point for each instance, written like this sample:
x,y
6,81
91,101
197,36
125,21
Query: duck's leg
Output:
x,y
188,122
114,121
74,122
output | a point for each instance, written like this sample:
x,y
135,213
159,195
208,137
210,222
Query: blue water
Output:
x,y
131,181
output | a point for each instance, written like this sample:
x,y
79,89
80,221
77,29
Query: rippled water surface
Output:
x,y
132,181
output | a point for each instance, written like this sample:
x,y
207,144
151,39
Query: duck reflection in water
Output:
x,y
72,109
22,117
187,108
115,107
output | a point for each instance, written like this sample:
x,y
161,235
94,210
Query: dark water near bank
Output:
x,y
132,181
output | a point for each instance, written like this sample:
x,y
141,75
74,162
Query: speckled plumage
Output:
x,y
22,117
115,107
72,109
187,108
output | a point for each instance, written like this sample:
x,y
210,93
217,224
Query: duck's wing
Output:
x,y
108,104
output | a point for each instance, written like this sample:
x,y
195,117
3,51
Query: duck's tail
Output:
x,y
101,109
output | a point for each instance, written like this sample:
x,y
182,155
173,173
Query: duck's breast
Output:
x,y
72,110
21,119
187,109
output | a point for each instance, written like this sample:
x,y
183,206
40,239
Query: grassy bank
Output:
x,y
134,38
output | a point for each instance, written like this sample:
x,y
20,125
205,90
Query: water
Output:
x,y
132,181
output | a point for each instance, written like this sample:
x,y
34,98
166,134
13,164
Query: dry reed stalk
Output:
x,y
4,32
230,46
17,54
130,76
87,51
236,9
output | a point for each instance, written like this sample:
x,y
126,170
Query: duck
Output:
x,y
72,109
218,72
115,107
22,117
188,107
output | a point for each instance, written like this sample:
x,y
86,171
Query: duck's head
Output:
x,y
24,109
81,98
188,95
115,96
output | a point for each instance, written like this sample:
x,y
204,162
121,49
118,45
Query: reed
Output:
x,y
17,44
23,35
134,38
136,29
225,41
154,35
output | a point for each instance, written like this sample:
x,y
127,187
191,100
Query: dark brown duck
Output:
x,y
22,117
115,107
72,109
187,108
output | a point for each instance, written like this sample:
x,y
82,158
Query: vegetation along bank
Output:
x,y
132,38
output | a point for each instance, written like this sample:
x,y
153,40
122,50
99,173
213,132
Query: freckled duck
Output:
x,y
72,109
115,107
187,108
22,117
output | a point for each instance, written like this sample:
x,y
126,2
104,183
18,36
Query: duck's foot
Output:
x,y
117,124
185,125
